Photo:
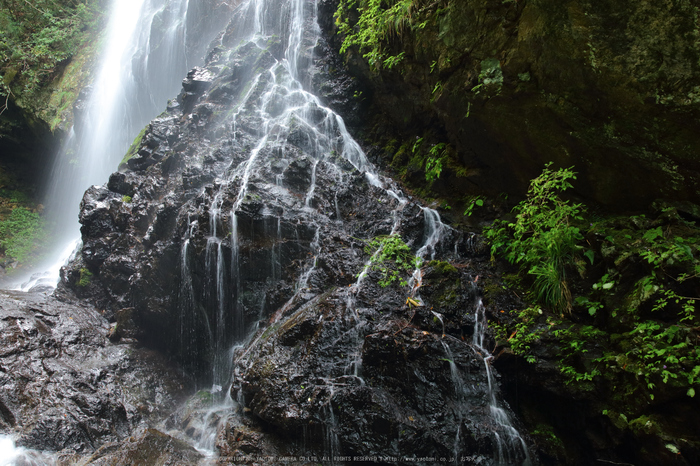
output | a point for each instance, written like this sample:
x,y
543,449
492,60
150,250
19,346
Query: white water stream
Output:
x,y
279,101
511,448
11,455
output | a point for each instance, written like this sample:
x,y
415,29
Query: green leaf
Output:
x,y
590,254
691,392
651,235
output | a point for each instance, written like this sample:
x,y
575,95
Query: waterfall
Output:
x,y
276,121
250,241
511,448
278,102
147,51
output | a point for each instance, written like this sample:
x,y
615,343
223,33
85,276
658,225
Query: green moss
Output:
x,y
204,396
390,146
493,288
644,425
401,156
85,277
442,267
24,233
134,148
545,433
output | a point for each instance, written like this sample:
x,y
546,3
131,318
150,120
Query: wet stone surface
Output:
x,y
241,253
65,387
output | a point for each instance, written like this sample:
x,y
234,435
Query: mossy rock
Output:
x,y
442,268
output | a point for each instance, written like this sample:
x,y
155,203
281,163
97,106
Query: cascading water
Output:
x,y
511,448
273,109
11,455
147,51
242,252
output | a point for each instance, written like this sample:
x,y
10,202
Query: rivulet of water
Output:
x,y
511,448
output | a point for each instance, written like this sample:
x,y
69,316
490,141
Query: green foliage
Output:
x,y
379,22
442,267
23,234
434,162
592,306
85,277
575,342
542,239
523,334
126,199
37,39
393,258
472,203
647,336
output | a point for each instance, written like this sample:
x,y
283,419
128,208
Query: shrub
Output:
x,y
378,22
392,257
37,38
542,239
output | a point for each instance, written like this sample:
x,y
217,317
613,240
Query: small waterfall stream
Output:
x,y
510,445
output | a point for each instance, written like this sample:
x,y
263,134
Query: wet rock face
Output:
x,y
64,386
149,447
236,242
364,379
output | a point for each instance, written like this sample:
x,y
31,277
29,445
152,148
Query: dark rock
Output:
x,y
150,447
577,84
198,80
63,386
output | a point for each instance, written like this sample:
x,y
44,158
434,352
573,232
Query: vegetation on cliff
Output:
x,y
612,304
509,86
46,50
23,229
474,98
46,53
38,39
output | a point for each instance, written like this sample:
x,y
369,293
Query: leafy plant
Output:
x,y
38,38
474,202
379,21
543,239
393,258
434,162
523,334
